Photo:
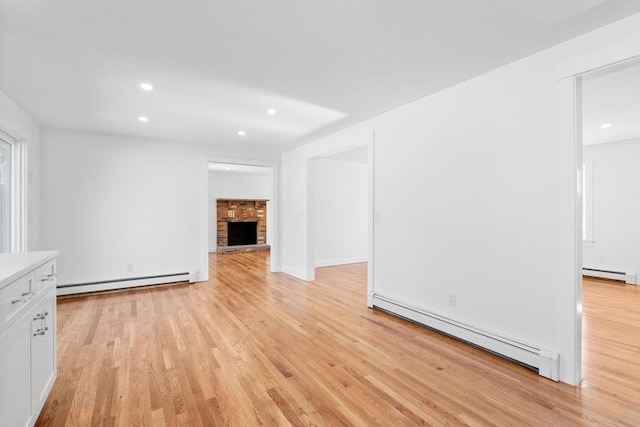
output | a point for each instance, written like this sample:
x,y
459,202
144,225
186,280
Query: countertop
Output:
x,y
16,265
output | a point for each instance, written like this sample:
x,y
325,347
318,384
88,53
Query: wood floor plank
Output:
x,y
252,348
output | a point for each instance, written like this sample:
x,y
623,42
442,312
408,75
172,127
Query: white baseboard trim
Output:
x,y
293,272
109,285
628,278
213,250
199,276
340,261
546,361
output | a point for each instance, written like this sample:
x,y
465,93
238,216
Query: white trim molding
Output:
x,y
603,57
340,261
19,172
569,243
587,202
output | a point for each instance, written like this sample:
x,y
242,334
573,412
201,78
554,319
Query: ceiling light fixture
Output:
x,y
146,86
271,111
143,119
241,133
605,125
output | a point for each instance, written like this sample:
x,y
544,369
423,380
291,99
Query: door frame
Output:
x,y
274,210
369,142
570,162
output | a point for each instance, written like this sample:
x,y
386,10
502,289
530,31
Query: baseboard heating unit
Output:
x,y
546,361
628,278
132,282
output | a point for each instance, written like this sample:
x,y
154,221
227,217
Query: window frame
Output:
x,y
18,185
587,202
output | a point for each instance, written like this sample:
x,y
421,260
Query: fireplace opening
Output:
x,y
242,233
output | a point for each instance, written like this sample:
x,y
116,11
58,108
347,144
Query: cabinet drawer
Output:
x,y
14,300
46,276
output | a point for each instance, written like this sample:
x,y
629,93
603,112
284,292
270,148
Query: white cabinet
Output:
x,y
15,398
27,335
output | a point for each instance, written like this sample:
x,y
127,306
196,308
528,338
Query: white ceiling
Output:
x,y
218,65
612,98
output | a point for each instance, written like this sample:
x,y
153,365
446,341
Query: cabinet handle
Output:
x,y
39,332
41,316
24,296
48,277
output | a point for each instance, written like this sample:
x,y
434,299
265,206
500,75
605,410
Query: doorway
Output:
x,y
570,201
610,101
341,207
240,183
244,187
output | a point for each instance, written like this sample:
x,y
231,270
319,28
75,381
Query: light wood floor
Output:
x,y
254,348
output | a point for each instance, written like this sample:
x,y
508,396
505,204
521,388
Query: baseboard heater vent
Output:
x,y
130,282
629,278
546,361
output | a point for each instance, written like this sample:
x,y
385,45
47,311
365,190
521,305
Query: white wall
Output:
x,y
616,207
24,127
236,185
481,162
109,201
340,209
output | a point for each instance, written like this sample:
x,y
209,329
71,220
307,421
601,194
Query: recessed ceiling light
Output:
x,y
605,125
226,169
143,119
146,86
271,111
241,133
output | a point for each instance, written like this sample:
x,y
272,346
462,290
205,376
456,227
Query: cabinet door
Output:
x,y
43,351
15,402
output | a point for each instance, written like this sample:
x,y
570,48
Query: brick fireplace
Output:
x,y
251,213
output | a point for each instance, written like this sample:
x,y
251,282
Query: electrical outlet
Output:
x,y
130,267
603,260
451,299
